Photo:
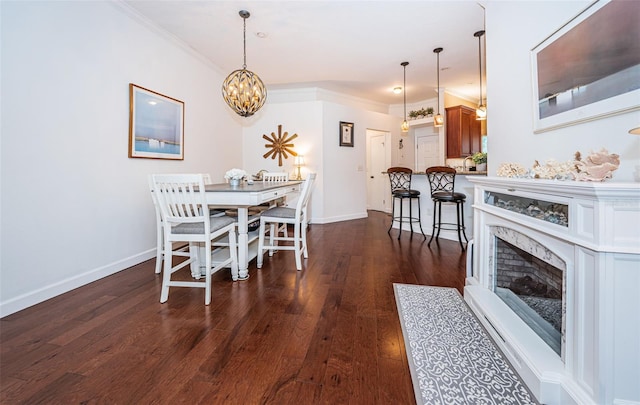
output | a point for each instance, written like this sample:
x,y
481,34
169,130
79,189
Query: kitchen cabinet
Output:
x,y
463,132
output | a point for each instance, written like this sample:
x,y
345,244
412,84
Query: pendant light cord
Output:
x,y
480,64
438,75
479,34
404,88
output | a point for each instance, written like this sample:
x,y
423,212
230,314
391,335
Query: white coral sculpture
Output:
x,y
597,166
553,169
511,170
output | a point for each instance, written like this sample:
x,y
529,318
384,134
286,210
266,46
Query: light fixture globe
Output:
x,y
243,90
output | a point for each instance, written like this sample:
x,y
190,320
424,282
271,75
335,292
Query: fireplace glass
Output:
x,y
554,213
532,288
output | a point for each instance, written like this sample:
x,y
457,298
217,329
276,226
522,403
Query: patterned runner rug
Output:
x,y
451,357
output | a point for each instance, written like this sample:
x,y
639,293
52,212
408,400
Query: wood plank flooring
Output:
x,y
328,334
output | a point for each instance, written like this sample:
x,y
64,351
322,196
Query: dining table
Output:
x,y
241,197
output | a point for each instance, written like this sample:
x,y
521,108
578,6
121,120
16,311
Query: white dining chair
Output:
x,y
286,215
183,250
186,218
275,229
274,176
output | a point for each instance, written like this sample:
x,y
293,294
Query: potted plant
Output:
x,y
429,111
235,176
480,159
413,115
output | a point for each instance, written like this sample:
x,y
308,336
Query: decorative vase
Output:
x,y
234,182
481,167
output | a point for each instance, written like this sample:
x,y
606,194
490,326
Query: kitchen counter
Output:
x,y
461,173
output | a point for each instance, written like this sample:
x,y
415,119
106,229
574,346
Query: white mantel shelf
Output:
x,y
604,216
600,247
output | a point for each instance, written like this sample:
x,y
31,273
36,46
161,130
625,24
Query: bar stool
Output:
x,y
442,181
400,179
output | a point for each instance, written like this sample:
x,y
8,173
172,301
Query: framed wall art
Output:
x,y
346,133
156,125
589,68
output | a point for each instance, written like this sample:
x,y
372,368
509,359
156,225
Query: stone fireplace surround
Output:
x,y
599,252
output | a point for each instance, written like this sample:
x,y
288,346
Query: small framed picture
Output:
x,y
346,133
156,125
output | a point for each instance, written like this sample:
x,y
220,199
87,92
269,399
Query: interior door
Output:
x,y
427,152
377,193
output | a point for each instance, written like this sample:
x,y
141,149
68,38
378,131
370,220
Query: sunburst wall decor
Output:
x,y
280,145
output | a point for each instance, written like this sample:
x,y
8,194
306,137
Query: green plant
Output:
x,y
479,157
429,111
413,114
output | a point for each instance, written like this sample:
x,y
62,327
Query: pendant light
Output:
x,y
243,90
438,120
481,111
405,124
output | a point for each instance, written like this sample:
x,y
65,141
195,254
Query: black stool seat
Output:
x,y
442,182
448,197
401,193
400,179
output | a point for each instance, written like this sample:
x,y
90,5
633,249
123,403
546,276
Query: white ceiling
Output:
x,y
353,47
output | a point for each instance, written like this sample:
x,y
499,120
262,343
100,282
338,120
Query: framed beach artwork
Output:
x,y
346,133
589,68
156,125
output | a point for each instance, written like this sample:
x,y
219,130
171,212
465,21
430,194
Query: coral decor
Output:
x,y
597,166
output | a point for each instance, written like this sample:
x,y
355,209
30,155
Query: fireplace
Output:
x,y
532,288
555,278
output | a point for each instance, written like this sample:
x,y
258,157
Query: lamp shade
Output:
x,y
481,113
405,126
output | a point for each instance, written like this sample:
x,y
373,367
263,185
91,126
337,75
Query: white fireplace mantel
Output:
x,y
600,245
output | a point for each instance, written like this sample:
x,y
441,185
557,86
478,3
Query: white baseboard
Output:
x,y
31,298
340,218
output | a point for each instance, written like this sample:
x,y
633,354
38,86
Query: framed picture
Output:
x,y
346,133
589,68
156,125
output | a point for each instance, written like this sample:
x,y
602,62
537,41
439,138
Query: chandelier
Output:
x,y
243,90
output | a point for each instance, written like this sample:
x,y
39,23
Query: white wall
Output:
x,y
74,207
303,118
340,190
513,29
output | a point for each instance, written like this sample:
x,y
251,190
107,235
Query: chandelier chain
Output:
x,y
244,43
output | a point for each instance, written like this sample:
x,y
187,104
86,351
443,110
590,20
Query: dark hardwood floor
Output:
x,y
327,334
